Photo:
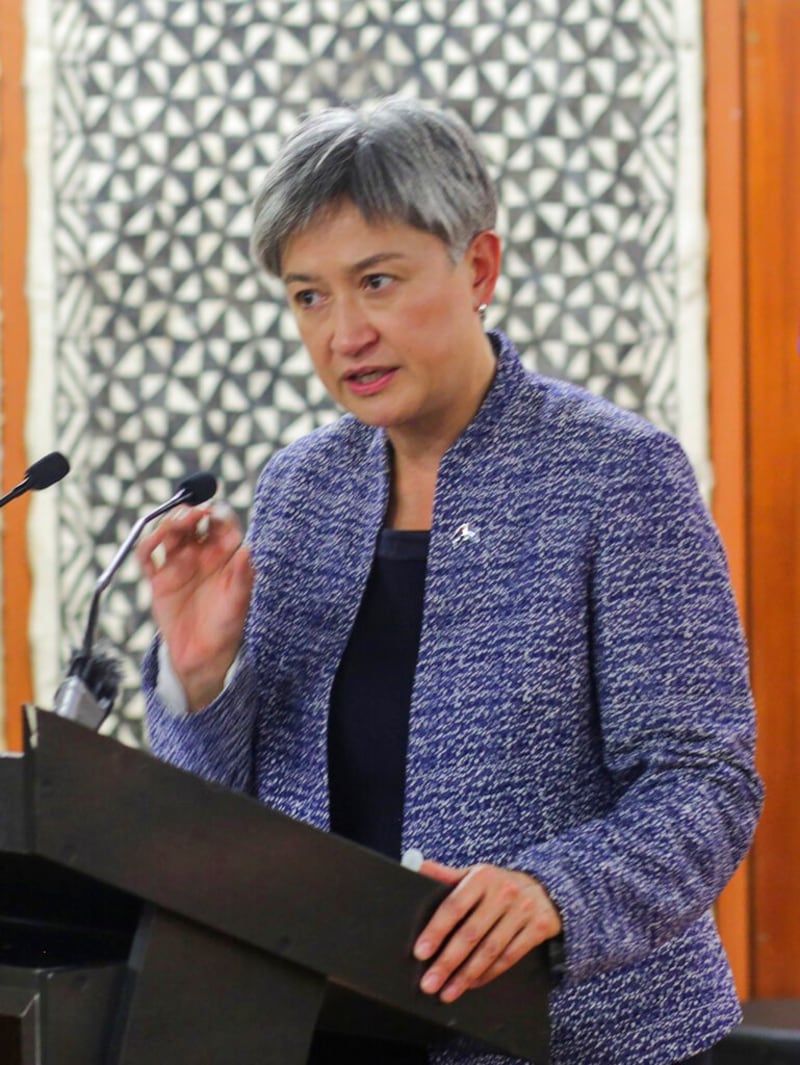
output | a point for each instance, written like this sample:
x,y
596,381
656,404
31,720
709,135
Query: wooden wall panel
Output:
x,y
724,99
772,78
14,341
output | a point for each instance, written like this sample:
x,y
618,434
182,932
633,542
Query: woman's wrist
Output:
x,y
198,687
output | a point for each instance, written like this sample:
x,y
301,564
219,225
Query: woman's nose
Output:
x,y
352,329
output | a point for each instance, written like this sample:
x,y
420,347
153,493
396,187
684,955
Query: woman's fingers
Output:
x,y
491,919
445,873
451,911
501,947
176,523
469,924
190,543
174,532
236,585
517,948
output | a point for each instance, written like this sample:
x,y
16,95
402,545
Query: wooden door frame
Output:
x,y
771,41
725,197
14,354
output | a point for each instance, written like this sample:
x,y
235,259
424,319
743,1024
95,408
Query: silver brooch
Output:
x,y
466,534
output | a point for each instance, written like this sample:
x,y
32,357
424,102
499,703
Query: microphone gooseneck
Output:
x,y
88,691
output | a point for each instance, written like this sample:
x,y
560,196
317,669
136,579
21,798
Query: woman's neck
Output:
x,y
411,494
417,450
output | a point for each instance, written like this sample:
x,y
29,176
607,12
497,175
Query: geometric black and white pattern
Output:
x,y
173,354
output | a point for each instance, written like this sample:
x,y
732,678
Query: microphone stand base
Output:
x,y
75,702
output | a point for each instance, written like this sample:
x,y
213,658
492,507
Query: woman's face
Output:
x,y
390,321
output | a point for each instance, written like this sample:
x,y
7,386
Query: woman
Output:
x,y
484,615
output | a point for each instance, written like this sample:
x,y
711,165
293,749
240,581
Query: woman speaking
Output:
x,y
484,615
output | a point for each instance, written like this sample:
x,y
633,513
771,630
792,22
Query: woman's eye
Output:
x,y
376,282
306,298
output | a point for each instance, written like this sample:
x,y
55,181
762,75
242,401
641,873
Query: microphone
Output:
x,y
44,472
87,694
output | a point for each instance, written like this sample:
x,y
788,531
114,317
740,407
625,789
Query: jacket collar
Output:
x,y
505,387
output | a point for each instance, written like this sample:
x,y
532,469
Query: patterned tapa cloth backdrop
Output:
x,y
161,348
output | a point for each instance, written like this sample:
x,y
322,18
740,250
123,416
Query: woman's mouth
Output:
x,y
370,381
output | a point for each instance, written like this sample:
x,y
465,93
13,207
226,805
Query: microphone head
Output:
x,y
46,471
197,488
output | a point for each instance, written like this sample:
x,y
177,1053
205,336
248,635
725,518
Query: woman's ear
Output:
x,y
483,256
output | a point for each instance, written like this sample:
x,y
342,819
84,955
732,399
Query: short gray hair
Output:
x,y
399,161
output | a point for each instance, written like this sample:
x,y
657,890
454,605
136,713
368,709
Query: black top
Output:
x,y
371,697
368,737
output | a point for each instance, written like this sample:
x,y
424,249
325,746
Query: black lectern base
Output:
x,y
210,998
60,1016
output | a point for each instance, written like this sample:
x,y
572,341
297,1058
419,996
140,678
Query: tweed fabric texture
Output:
x,y
581,708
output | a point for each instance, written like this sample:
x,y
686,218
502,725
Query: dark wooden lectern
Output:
x,y
148,916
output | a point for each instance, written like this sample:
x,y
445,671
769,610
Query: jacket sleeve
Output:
x,y
676,719
216,742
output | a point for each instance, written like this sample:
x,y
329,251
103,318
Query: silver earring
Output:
x,y
482,309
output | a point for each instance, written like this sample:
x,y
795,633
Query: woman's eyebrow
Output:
x,y
376,260
362,264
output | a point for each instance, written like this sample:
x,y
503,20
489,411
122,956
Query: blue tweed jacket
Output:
x,y
581,707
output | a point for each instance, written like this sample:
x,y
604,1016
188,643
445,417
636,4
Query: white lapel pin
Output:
x,y
466,534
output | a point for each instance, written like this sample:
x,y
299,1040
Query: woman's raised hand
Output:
x,y
201,578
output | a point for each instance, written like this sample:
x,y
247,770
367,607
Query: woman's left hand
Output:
x,y
490,920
